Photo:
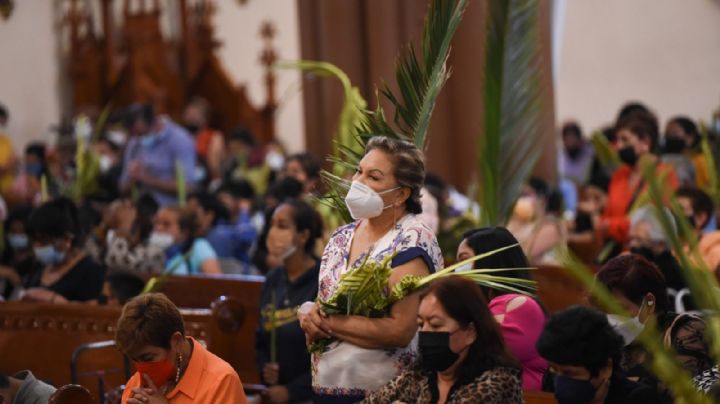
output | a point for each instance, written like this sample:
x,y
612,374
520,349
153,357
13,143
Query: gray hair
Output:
x,y
646,214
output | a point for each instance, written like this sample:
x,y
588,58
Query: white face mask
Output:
x,y
280,243
465,268
274,160
161,240
105,162
363,202
628,328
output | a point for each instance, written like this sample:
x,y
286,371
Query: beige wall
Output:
x,y
29,72
665,53
30,76
238,29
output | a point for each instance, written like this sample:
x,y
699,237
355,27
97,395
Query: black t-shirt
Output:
x,y
81,283
621,390
624,391
292,355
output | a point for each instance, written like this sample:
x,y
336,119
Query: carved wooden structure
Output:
x,y
135,63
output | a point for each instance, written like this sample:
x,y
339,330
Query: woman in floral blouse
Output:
x,y
462,354
383,199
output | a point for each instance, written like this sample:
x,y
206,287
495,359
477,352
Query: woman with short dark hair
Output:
x,y
637,138
171,367
462,354
641,289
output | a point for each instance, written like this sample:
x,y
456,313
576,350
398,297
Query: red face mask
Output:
x,y
159,372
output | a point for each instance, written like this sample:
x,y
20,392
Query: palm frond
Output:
x,y
508,146
420,81
700,280
101,122
180,183
353,114
713,187
87,170
607,156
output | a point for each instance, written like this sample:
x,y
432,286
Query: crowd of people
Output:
x,y
90,218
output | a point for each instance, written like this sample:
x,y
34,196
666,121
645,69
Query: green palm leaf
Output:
x,y
420,81
607,156
713,187
352,116
507,150
700,280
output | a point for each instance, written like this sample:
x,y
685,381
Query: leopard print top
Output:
x,y
501,385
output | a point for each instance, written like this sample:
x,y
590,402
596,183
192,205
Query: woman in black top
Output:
x,y
67,272
294,229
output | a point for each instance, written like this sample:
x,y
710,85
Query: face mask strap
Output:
x,y
389,190
643,305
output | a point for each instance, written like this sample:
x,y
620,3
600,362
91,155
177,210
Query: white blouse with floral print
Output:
x,y
348,370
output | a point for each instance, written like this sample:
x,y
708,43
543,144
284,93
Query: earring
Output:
x,y
177,372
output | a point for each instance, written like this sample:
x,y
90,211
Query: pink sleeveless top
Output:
x,y
521,328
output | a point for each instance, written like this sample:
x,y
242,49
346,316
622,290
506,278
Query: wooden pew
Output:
x,y
538,397
42,337
586,250
557,289
238,316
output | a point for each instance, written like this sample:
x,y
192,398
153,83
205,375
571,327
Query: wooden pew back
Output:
x,y
41,337
539,397
243,295
557,289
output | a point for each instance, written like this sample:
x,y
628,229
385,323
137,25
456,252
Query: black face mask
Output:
x,y
435,352
573,391
674,145
646,252
664,260
193,128
628,156
574,152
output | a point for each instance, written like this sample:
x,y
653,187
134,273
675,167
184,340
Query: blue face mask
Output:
x,y
48,255
34,169
573,391
18,241
149,139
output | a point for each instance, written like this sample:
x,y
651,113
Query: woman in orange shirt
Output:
x,y
637,136
171,368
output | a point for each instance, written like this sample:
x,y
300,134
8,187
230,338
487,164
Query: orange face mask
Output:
x,y
159,372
